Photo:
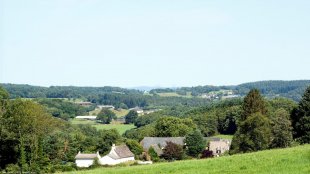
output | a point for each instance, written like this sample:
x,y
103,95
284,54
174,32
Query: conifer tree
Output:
x,y
254,130
301,119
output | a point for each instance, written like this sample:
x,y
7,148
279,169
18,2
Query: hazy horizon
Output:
x,y
153,43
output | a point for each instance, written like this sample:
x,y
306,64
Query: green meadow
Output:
x,y
295,160
121,128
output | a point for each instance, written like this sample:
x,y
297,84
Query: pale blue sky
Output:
x,y
153,42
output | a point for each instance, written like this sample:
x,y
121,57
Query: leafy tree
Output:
x,y
106,116
134,147
131,117
195,143
281,129
301,119
173,127
254,134
173,151
141,132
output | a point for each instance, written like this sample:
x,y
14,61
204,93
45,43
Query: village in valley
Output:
x,y
122,154
154,87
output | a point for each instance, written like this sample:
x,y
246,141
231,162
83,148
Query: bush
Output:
x,y
134,147
173,151
152,153
207,154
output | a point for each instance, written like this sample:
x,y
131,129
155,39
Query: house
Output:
x,y
159,143
86,117
219,146
117,155
137,109
86,160
105,107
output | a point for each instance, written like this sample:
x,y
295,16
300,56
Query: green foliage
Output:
x,y
153,154
301,119
173,127
281,129
134,146
63,109
147,119
106,116
131,117
3,93
254,134
173,151
195,143
139,133
253,103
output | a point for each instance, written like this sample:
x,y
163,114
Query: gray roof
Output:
x,y
86,156
121,152
147,142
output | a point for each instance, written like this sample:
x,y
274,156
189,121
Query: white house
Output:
x,y
219,147
117,155
86,117
86,160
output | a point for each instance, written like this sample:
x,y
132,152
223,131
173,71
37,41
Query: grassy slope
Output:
x,y
121,128
280,161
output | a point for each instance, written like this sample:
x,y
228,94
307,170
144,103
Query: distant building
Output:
x,y
87,117
159,143
219,146
137,109
117,155
86,160
105,107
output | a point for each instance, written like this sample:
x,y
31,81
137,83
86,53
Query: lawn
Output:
x,y
174,94
121,128
228,137
118,113
279,161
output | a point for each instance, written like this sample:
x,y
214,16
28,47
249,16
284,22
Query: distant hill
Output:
x,y
273,88
277,161
28,91
192,95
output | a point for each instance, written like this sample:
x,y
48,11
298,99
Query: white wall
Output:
x,y
84,162
106,160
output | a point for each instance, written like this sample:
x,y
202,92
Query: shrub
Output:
x,y
173,151
152,153
207,154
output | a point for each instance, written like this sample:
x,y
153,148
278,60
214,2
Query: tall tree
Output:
x,y
281,129
195,143
301,119
253,103
173,127
254,131
106,116
131,117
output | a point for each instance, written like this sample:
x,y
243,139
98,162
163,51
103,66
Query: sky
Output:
x,y
166,43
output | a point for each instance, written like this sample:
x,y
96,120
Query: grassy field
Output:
x,y
229,137
294,160
118,113
121,128
174,94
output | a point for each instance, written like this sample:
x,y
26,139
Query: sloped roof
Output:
x,y
120,152
147,142
86,156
